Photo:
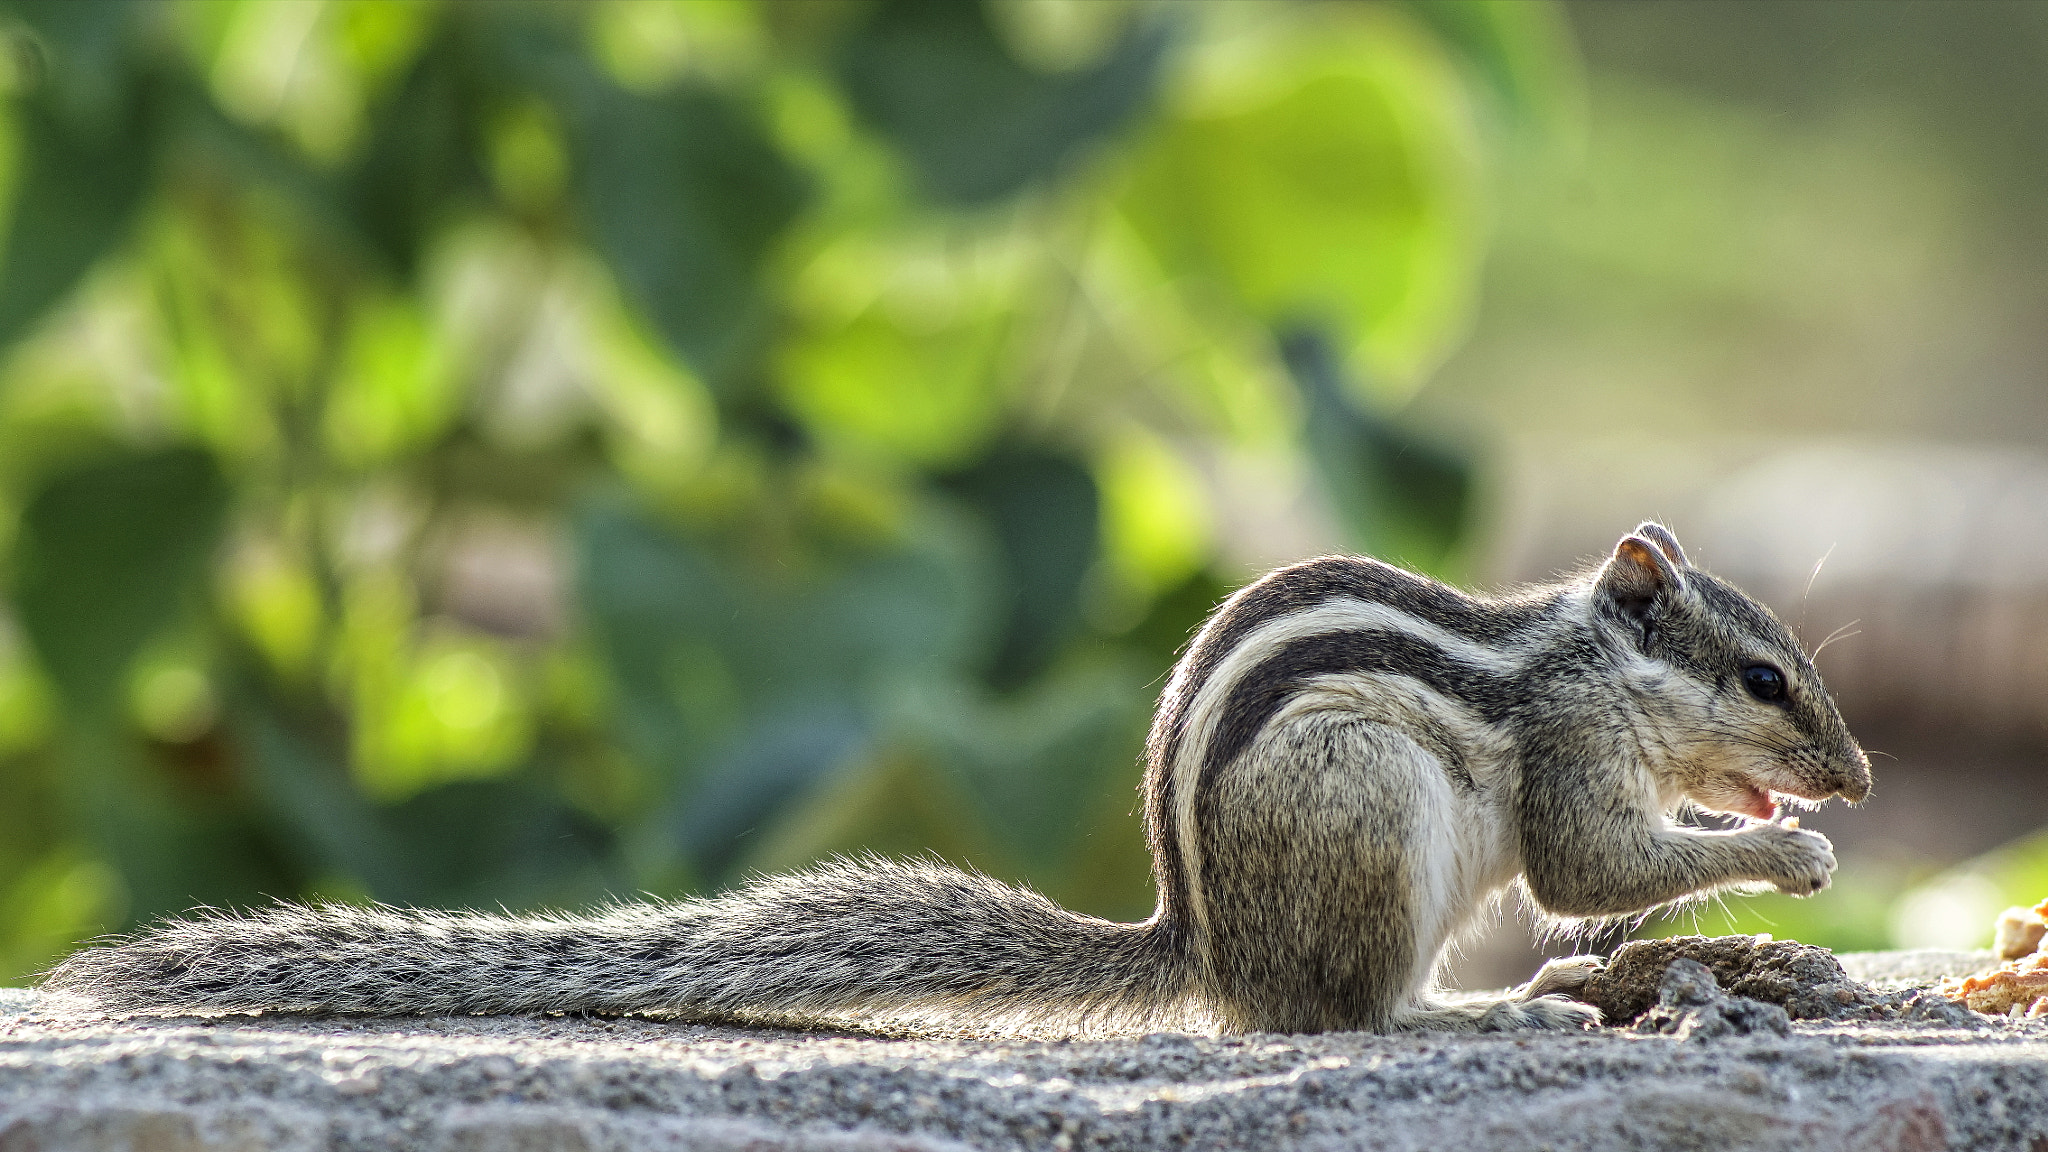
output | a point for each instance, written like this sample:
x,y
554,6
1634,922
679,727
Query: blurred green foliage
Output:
x,y
1883,904
1856,913
514,453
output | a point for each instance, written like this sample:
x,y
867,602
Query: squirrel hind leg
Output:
x,y
1315,896
1502,1014
1567,975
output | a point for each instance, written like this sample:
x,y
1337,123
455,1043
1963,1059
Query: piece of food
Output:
x,y
2020,931
2018,987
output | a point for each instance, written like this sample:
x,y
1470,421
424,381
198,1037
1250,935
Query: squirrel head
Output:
x,y
1730,698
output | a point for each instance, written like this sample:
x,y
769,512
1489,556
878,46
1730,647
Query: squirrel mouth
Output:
x,y
1755,802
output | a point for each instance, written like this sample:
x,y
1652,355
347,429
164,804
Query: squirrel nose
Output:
x,y
1852,783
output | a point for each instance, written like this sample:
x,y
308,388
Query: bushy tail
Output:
x,y
850,937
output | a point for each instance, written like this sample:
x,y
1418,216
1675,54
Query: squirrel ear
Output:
x,y
1641,574
1661,536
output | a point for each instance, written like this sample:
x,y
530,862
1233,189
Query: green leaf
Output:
x,y
63,897
685,197
1157,529
85,158
1520,49
978,126
1039,760
173,844
519,844
1045,510
73,204
644,593
83,45
1402,497
1176,614
739,685
420,163
780,753
1329,178
202,138
891,803
107,555
880,387
824,628
298,773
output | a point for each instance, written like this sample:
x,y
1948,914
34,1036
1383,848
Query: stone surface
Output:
x,y
1919,968
1691,1006
1729,1080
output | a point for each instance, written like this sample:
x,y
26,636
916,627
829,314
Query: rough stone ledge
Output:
x,y
482,1083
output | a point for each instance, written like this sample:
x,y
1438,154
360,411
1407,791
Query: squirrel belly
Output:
x,y
1348,764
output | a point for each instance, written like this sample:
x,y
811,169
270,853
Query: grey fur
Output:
x,y
1350,763
870,935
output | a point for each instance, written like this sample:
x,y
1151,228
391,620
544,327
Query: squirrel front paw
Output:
x,y
1799,862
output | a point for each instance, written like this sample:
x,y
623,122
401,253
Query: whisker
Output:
x,y
1720,901
1815,576
1845,636
1851,624
1836,635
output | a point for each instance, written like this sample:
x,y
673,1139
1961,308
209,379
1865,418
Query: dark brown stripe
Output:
x,y
1254,699
1280,593
1290,590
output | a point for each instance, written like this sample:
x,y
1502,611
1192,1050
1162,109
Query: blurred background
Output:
x,y
520,454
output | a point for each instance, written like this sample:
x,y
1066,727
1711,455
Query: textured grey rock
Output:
x,y
1809,983
1691,1006
481,1084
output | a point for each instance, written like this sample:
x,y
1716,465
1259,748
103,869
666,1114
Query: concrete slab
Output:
x,y
485,1083
1746,1044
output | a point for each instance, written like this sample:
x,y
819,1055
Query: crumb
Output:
x,y
2020,931
2018,987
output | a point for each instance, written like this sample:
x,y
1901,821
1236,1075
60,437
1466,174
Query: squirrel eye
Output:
x,y
1765,683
